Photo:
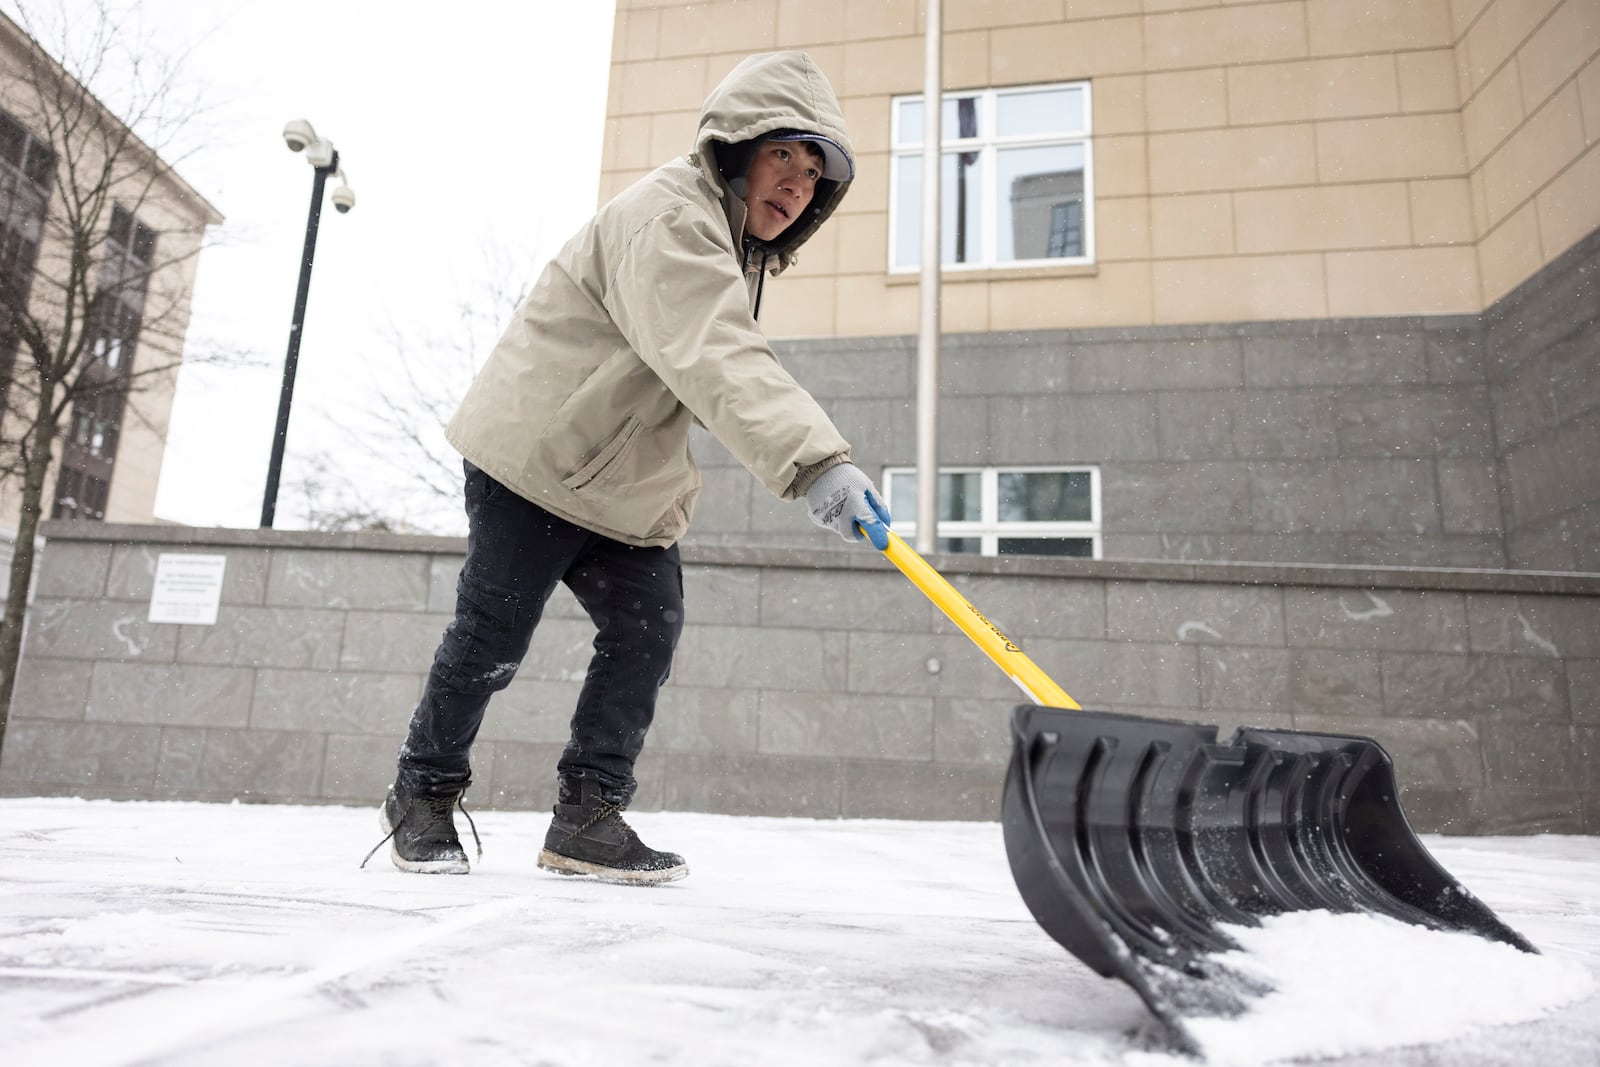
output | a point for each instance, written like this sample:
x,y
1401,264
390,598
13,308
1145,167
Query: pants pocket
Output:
x,y
499,606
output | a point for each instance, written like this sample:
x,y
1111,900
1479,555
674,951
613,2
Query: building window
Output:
x,y
1006,511
90,450
96,421
26,167
1016,188
130,250
80,496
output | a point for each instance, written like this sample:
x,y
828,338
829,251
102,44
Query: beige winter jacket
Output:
x,y
643,324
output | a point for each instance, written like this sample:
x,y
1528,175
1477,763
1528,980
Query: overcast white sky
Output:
x,y
477,129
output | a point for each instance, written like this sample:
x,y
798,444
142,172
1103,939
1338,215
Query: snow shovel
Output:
x,y
1132,840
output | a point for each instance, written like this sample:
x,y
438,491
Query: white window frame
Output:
x,y
989,529
988,152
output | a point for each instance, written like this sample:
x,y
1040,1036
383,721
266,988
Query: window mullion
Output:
x,y
989,168
1088,199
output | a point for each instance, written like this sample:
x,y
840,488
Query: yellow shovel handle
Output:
x,y
1034,683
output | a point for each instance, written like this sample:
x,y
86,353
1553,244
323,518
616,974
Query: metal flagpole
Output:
x,y
928,336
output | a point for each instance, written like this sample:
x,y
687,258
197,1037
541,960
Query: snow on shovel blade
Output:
x,y
1132,839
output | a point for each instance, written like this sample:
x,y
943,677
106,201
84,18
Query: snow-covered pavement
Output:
x,y
192,934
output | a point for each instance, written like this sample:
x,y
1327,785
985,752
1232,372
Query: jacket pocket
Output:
x,y
605,460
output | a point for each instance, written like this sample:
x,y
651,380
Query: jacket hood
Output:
x,y
763,94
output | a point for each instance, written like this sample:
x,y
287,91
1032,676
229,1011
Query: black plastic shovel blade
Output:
x,y
1133,839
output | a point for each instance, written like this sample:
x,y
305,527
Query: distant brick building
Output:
x,y
1303,281
109,455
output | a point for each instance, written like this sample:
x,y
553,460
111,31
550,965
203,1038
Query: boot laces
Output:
x,y
438,808
607,810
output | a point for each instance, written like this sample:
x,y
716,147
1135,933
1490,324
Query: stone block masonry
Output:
x,y
1409,440
809,682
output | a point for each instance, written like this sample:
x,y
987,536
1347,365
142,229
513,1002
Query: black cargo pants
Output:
x,y
516,553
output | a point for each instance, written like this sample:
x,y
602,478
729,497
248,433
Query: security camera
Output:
x,y
344,198
319,153
299,135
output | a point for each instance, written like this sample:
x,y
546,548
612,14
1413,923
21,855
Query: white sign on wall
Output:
x,y
188,588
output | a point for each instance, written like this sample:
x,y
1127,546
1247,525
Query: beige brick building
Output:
x,y
1312,235
1278,160
108,459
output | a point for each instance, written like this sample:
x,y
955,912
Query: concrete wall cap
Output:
x,y
1334,575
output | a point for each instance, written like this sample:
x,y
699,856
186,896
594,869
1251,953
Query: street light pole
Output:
x,y
269,503
324,159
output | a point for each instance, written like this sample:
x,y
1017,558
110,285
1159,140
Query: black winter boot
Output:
x,y
421,832
589,837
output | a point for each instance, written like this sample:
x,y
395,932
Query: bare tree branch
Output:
x,y
397,439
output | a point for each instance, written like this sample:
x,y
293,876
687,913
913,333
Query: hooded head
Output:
x,y
776,96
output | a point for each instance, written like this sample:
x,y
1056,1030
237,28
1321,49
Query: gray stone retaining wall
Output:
x,y
1352,441
809,683
1544,370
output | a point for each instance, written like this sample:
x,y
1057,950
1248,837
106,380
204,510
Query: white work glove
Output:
x,y
844,500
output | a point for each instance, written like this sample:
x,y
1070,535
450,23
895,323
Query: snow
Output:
x,y
1333,994
191,934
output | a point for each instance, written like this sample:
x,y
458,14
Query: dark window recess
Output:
x,y
96,424
973,545
69,487
89,452
144,244
80,496
13,141
121,231
1079,547
29,155
1066,229
26,167
95,493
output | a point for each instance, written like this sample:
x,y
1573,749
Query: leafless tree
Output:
x,y
330,503
98,238
392,468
